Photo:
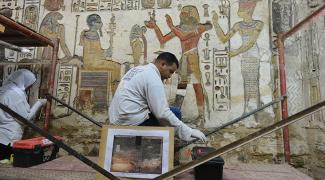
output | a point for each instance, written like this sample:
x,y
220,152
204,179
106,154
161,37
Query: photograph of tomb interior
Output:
x,y
136,154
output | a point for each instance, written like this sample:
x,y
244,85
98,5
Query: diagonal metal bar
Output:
x,y
59,143
319,12
234,121
49,96
243,141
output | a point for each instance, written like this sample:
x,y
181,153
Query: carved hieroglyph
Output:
x,y
64,92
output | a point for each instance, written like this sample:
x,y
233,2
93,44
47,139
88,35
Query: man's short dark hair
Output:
x,y
170,58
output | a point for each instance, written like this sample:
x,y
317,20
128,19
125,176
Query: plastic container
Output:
x,y
34,151
211,170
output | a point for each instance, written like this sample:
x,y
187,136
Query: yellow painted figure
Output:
x,y
249,29
51,28
94,57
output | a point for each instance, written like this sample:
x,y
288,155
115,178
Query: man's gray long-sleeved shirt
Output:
x,y
140,92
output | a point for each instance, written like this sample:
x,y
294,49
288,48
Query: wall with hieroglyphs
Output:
x,y
221,64
225,48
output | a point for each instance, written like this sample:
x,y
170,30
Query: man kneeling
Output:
x,y
140,98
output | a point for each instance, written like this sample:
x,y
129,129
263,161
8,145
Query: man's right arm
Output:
x,y
159,107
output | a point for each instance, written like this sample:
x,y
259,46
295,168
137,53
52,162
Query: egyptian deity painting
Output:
x,y
51,28
97,59
138,44
188,32
249,30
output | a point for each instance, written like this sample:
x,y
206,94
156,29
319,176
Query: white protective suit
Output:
x,y
12,94
134,100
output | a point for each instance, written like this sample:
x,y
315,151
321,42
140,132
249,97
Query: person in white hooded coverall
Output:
x,y
13,95
140,98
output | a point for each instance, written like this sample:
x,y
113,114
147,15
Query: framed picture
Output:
x,y
136,151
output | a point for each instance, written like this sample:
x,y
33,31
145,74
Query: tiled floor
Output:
x,y
68,168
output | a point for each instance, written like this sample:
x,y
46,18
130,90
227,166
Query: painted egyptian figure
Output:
x,y
249,29
51,28
188,31
31,17
93,54
94,57
136,43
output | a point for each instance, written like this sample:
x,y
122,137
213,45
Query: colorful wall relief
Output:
x,y
223,50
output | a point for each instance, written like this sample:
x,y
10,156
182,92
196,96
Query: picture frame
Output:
x,y
141,152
